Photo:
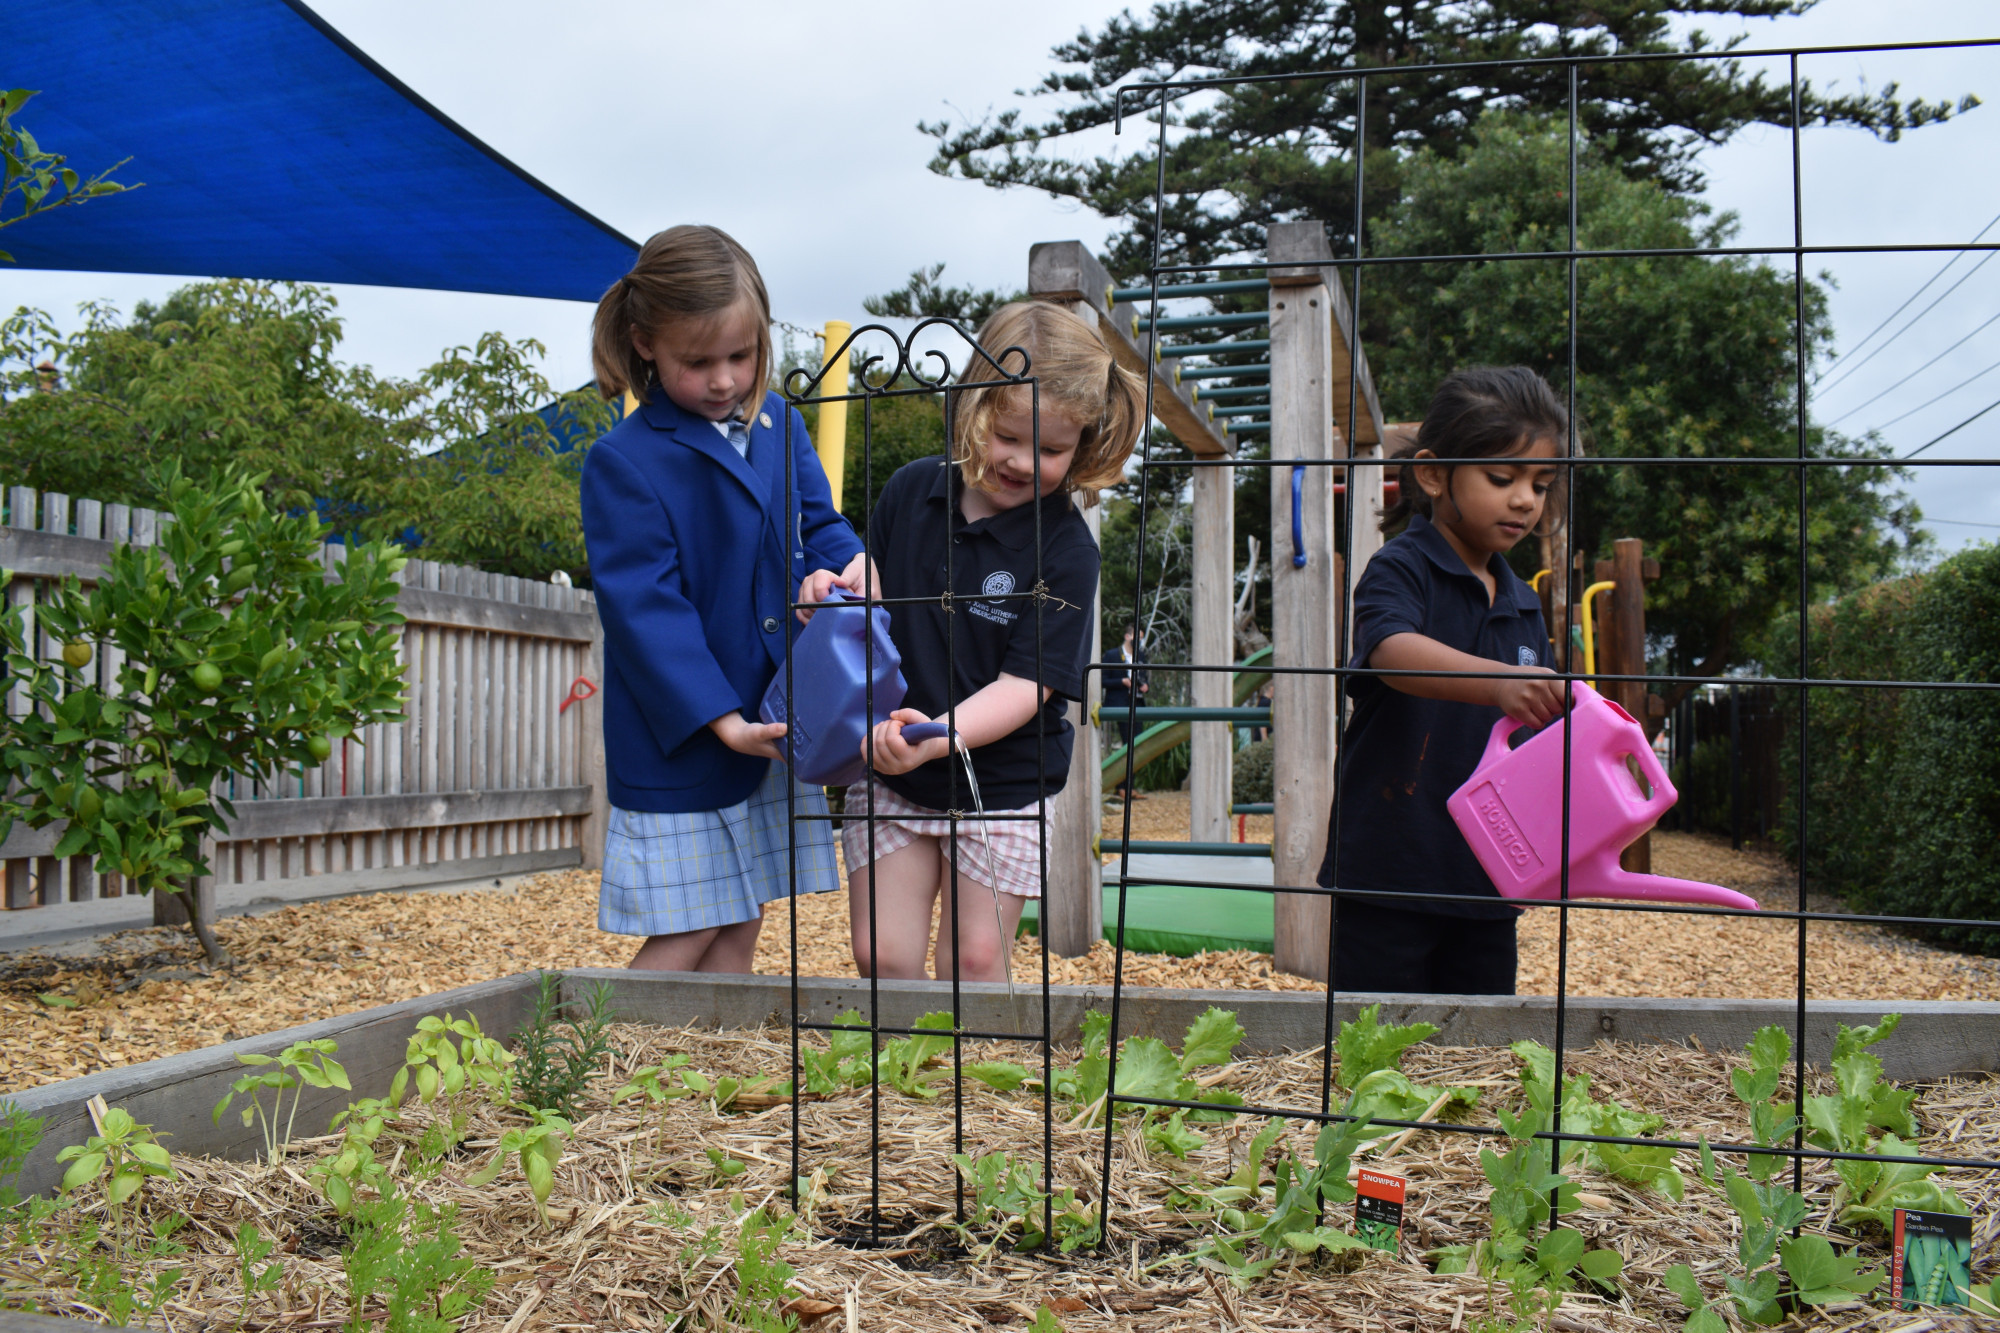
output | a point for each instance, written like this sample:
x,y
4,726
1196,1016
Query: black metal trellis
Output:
x,y
1155,98
985,369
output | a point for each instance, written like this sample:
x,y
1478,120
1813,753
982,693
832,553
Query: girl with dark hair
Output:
x,y
1440,597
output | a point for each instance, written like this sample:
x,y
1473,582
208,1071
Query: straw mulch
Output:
x,y
634,1193
144,994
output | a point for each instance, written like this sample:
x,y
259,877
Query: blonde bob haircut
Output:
x,y
1077,377
685,275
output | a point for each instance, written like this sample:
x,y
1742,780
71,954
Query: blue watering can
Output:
x,y
830,679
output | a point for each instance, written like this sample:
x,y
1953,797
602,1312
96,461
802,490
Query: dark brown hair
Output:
x,y
683,274
1485,412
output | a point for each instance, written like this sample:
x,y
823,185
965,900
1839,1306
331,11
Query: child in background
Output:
x,y
1441,597
977,511
693,555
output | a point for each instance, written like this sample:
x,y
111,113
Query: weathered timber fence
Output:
x,y
491,773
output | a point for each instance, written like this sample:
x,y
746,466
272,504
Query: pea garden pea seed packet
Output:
x,y
1932,1260
1378,1209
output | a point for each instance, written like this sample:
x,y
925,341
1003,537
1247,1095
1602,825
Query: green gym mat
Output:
x,y
1180,920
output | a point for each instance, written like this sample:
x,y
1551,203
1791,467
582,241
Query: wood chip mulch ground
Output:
x,y
622,1244
144,994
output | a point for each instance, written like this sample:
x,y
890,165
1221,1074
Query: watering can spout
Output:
x,y
1608,879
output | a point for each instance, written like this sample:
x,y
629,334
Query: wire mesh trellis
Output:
x,y
879,380
873,381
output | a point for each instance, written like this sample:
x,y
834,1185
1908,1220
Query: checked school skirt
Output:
x,y
667,873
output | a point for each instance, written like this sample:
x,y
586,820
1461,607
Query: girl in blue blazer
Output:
x,y
694,556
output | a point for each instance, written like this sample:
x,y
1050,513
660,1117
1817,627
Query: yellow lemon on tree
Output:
x,y
77,654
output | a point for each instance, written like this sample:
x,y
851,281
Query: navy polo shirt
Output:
x,y
1404,754
913,526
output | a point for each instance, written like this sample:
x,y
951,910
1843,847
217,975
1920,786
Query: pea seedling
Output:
x,y
124,1154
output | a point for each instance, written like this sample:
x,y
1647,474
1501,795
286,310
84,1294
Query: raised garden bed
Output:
x,y
643,1219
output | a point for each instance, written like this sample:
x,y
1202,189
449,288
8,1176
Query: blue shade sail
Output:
x,y
271,147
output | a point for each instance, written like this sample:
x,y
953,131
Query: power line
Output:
x,y
1961,522
1953,431
1928,401
1914,319
1918,371
1905,306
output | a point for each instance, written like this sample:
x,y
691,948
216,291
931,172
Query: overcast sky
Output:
x,y
792,125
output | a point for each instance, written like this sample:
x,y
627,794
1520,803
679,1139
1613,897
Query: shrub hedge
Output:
x,y
1904,785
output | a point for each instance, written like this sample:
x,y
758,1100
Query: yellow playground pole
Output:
x,y
1590,627
832,442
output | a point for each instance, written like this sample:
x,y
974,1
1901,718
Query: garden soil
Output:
x,y
639,1233
144,994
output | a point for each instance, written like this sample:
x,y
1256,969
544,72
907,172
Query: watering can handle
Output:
x,y
1504,729
918,732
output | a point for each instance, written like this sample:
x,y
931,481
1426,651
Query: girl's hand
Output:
x,y
1534,697
895,755
752,738
820,581
814,589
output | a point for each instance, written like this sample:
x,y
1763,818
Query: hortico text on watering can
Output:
x,y
1511,809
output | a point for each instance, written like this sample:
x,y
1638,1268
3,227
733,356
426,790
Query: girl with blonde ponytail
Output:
x,y
999,642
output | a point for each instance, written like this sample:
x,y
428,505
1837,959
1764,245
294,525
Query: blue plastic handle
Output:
x,y
918,732
1298,516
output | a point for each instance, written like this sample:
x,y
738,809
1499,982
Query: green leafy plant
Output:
x,y
1255,1234
1007,1202
763,1280
451,1059
722,1168
42,180
124,1155
907,1064
1044,1321
1526,1196
238,656
20,1134
252,1249
407,1253
353,1164
538,1148
1148,1067
302,1065
1844,1121
1371,1054
102,1277
558,1052
1584,1114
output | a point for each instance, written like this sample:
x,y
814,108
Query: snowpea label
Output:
x,y
1378,1209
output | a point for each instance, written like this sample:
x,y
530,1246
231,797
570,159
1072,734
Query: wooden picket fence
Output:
x,y
499,768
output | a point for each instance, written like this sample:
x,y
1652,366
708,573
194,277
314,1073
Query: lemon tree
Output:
x,y
239,655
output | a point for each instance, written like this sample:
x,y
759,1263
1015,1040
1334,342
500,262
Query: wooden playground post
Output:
x,y
1310,389
1211,748
1621,651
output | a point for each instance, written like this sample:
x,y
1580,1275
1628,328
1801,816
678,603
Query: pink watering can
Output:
x,y
1511,810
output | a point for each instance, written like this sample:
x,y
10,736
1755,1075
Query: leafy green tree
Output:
x,y
246,374
1243,157
925,295
238,656
1681,357
43,181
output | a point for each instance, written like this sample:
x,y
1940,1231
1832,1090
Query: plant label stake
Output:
x,y
1933,1259
1378,1209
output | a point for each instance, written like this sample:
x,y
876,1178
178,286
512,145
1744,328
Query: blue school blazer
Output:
x,y
693,574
